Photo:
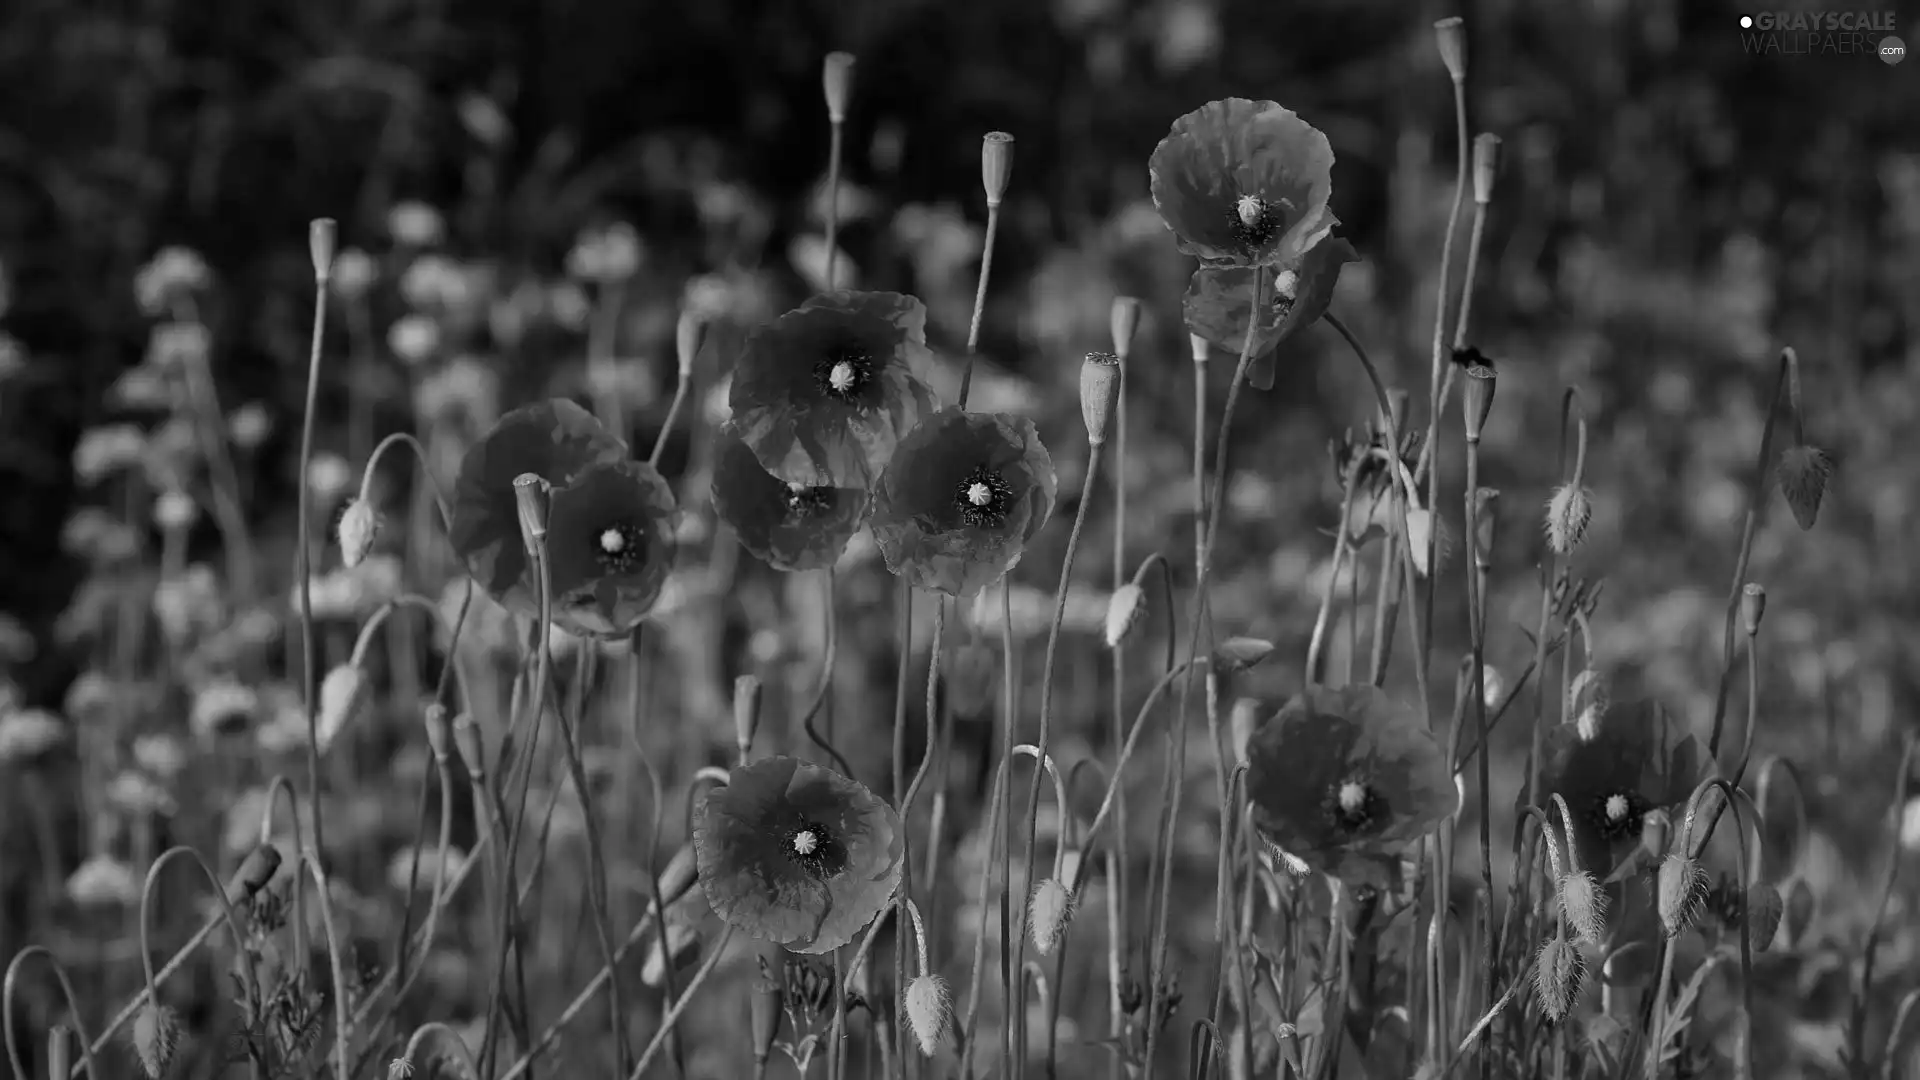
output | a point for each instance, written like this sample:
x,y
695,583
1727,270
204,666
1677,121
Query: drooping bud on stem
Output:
x,y
255,871
156,1036
466,739
439,733
1048,914
836,78
1763,909
1486,164
322,240
1123,612
1477,393
1556,977
1656,833
1681,890
996,165
1099,390
530,500
1451,35
746,713
359,524
1753,605
343,693
1123,322
686,340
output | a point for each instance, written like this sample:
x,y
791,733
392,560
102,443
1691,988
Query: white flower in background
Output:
x,y
284,729
173,273
104,451
855,202
354,272
161,755
249,425
97,536
629,382
464,389
173,452
329,476
178,344
606,255
1910,825
90,697
25,734
413,338
708,297
13,356
350,593
514,310
174,510
222,707
136,794
103,881
437,282
567,305
141,387
424,867
808,255
189,602
415,224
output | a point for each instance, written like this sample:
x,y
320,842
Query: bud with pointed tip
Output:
x,y
1486,163
1241,721
1568,513
1656,832
746,713
466,739
342,695
322,241
678,876
1048,914
1585,906
1477,391
926,1006
1799,916
1099,389
359,524
687,335
530,501
1803,472
1240,653
1764,909
1451,35
1681,891
1556,977
439,732
996,165
156,1036
1124,609
1123,322
255,871
836,78
1753,605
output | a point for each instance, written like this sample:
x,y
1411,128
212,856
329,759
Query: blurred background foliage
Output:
x,y
1670,211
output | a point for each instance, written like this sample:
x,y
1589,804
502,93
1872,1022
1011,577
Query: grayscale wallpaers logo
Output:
x,y
1822,33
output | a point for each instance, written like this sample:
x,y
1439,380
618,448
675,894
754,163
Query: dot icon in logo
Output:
x,y
1746,22
1892,49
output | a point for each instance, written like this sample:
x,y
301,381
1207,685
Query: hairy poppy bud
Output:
x,y
1568,512
322,238
836,78
1753,604
1804,471
1486,162
1048,914
1556,977
1764,909
1124,609
1682,890
1585,906
996,165
687,335
359,524
926,1006
1240,724
342,693
1451,35
466,739
746,712
530,500
1123,322
1240,653
439,734
1477,392
156,1035
1099,390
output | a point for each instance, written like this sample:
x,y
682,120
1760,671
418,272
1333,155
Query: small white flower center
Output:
x,y
841,377
1250,210
1616,807
612,542
979,494
796,489
1353,796
805,843
1285,284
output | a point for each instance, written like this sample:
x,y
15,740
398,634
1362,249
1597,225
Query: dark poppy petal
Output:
x,y
787,529
555,440
1218,299
1236,150
609,547
1611,779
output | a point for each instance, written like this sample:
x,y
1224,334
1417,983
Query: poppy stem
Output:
x,y
829,651
1317,642
979,300
303,548
426,474
680,1007
836,126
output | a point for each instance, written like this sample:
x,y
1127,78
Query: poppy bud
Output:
x,y
1556,977
255,871
1493,685
1123,322
359,524
59,1052
1124,609
1099,389
1764,909
746,712
438,732
1585,906
342,693
836,78
1681,891
764,1005
1656,831
322,237
1197,347
156,1035
683,941
1568,512
1240,725
677,878
1486,162
1753,604
1240,653
926,1005
1804,471
996,165
1799,915
530,500
466,739
1477,399
1451,35
1048,914
1485,506
687,335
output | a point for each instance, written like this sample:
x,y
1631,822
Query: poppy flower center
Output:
x,y
1353,805
803,501
1617,816
984,498
619,547
814,849
1257,221
844,372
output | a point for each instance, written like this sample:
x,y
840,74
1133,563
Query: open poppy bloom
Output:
x,y
787,526
555,440
961,498
1294,297
609,547
1244,183
797,854
1344,778
1611,780
822,395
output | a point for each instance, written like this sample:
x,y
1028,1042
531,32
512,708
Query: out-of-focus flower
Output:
x,y
1244,183
173,274
353,592
808,255
465,390
797,854
354,272
568,306
413,338
824,394
630,382
222,707
176,345
103,881
173,452
514,311
142,388
161,755
90,697
189,603
609,547
1030,610
1219,300
26,734
960,499
249,425
17,644
1612,776
13,356
415,224
137,794
343,694
329,477
436,283
174,510
284,727
606,255
787,526
423,867
1343,779
104,451
555,440
1910,824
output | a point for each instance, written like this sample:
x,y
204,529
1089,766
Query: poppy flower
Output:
x,y
1346,773
787,526
1244,183
961,498
555,440
823,394
609,547
1611,780
1219,298
797,854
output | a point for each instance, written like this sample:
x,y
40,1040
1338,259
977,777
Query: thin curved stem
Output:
x,y
454,1046
680,388
1756,501
342,1026
828,653
1317,642
75,1017
680,1007
420,455
303,560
